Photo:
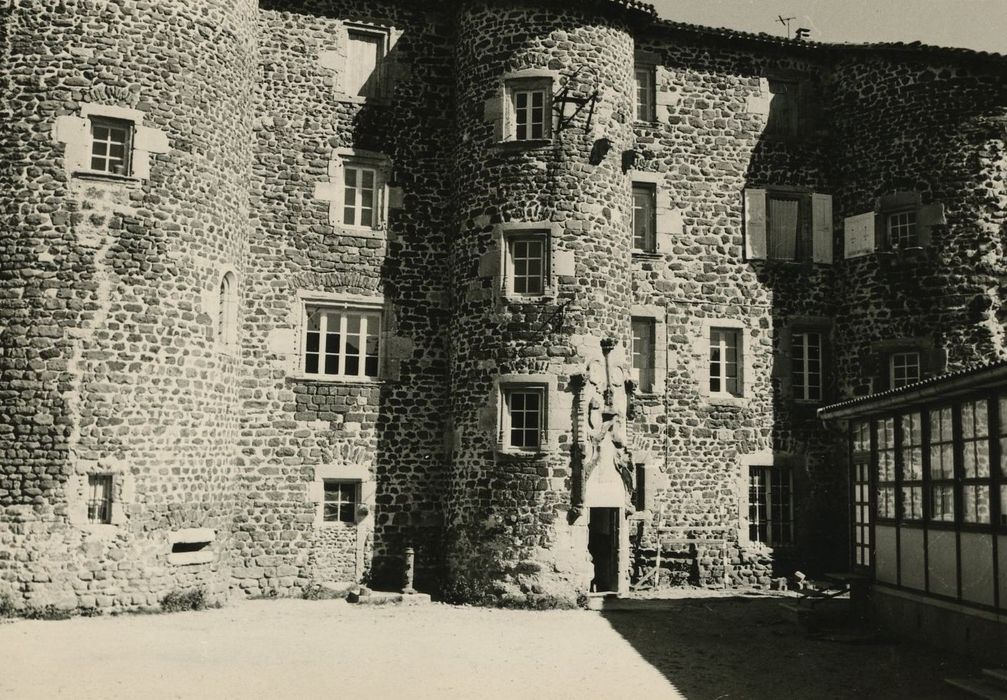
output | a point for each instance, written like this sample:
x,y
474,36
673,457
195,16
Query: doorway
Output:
x,y
603,545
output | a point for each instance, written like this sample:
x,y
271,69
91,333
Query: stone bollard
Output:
x,y
410,569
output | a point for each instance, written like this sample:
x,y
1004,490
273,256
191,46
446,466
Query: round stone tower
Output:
x,y
541,265
127,145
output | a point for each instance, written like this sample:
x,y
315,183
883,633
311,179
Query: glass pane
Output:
x,y
942,502
975,498
912,502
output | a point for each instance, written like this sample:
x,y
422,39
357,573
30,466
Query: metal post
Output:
x,y
410,570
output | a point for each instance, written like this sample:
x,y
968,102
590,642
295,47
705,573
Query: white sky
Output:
x,y
974,24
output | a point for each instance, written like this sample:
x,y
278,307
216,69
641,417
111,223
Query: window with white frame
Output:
x,y
901,227
227,310
644,217
362,195
341,342
643,353
340,500
862,517
725,361
770,505
99,499
111,145
806,365
527,264
645,93
903,368
524,411
365,56
530,109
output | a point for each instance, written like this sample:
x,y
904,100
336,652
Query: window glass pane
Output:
x,y
942,502
644,213
976,503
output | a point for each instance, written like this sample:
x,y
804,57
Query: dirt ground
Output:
x,y
696,648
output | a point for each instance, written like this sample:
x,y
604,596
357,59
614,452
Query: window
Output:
x,y
862,493
806,365
911,456
643,353
788,233
902,229
340,501
527,268
364,63
530,108
975,463
886,469
942,466
645,93
903,368
1002,435
644,217
99,499
725,353
524,417
227,310
111,145
361,196
770,505
342,342
783,108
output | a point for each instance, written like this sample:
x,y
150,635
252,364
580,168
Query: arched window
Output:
x,y
227,310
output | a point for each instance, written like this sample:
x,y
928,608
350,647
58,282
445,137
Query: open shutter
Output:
x,y
821,228
755,224
858,235
493,112
928,216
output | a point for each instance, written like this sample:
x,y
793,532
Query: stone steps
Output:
x,y
992,685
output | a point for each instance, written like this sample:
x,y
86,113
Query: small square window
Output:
x,y
902,229
725,361
342,343
904,368
523,417
770,505
341,498
645,93
806,365
527,267
363,190
644,217
99,499
365,59
111,145
643,353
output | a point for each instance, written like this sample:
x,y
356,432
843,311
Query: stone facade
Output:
x,y
232,463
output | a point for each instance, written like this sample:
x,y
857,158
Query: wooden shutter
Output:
x,y
928,216
858,235
821,228
755,224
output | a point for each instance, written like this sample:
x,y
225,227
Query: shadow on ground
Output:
x,y
744,647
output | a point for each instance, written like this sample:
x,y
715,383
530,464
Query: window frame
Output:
x,y
227,311
649,189
892,366
508,391
352,505
645,110
722,377
511,238
803,235
105,482
801,391
359,166
646,383
891,222
128,127
772,479
980,438
344,309
528,86
862,516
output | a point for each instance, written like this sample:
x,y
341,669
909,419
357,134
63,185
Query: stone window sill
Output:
x,y
727,400
647,255
362,100
105,177
323,379
511,298
523,145
361,231
189,558
517,455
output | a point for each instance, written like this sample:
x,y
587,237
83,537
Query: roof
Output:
x,y
772,39
943,385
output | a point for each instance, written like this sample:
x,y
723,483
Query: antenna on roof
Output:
x,y
785,21
802,33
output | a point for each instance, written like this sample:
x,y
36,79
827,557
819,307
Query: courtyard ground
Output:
x,y
697,648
